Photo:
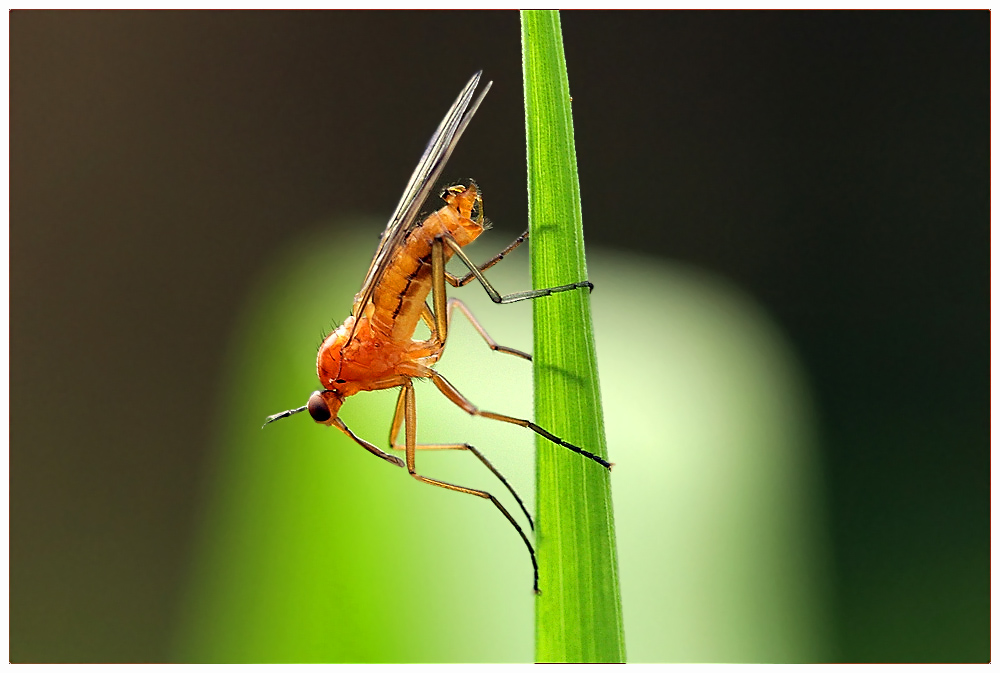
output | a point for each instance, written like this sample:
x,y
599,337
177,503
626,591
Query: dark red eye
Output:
x,y
318,409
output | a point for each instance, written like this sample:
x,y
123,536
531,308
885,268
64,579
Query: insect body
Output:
x,y
375,349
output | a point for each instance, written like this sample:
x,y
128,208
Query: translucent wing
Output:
x,y
424,177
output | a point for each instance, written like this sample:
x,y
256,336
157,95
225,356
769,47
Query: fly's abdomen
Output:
x,y
403,289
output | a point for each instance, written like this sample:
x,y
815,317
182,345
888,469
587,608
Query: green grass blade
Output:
x,y
579,613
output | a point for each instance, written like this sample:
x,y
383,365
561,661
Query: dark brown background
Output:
x,y
836,165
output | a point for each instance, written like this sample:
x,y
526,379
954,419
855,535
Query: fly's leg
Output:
x,y
452,394
409,408
460,305
368,445
495,296
428,317
440,318
397,422
455,281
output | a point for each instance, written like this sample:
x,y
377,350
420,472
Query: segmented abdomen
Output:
x,y
406,283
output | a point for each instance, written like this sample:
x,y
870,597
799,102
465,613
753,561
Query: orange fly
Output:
x,y
374,349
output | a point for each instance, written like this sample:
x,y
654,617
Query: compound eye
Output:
x,y
318,409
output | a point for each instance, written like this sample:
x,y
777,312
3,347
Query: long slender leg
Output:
x,y
427,315
410,421
397,421
440,295
431,321
443,307
455,281
495,296
458,303
452,394
368,445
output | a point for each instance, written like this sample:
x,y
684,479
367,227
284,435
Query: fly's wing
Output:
x,y
424,177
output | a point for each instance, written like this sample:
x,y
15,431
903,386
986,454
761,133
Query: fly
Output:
x,y
374,348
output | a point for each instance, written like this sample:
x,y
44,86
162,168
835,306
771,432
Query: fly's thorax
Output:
x,y
335,350
349,364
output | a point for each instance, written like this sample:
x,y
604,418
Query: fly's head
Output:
x,y
324,405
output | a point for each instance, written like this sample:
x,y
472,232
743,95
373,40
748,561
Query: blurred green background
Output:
x,y
788,224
